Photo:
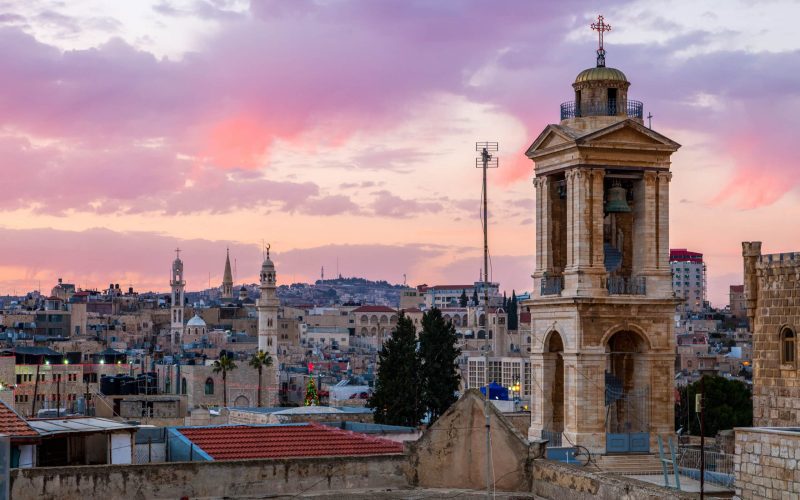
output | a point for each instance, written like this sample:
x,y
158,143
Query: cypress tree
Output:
x,y
475,297
463,300
397,394
438,356
513,317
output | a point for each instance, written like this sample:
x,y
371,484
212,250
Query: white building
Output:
x,y
688,280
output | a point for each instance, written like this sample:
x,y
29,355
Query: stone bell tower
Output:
x,y
603,344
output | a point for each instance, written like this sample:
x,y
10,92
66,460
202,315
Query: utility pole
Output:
x,y
702,435
485,162
58,394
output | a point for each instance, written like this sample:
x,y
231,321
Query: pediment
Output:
x,y
628,133
551,136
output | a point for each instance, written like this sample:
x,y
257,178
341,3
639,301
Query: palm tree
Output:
x,y
224,364
259,361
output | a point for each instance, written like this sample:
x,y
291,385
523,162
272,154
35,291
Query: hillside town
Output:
x,y
610,375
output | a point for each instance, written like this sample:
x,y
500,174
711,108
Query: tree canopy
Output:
x,y
728,404
438,356
397,397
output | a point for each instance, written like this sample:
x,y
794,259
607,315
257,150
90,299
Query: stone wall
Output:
x,y
556,480
766,463
772,296
232,479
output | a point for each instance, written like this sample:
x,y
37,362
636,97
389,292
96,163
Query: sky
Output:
x,y
342,133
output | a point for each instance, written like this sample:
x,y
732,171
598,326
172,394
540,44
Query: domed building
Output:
x,y
196,326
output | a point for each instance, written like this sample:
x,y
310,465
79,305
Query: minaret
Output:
x,y
268,310
176,304
227,278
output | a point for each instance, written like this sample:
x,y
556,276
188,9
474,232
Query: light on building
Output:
x,y
102,361
66,361
47,362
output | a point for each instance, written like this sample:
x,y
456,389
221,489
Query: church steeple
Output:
x,y
227,277
177,285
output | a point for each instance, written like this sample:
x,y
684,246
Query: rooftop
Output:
x,y
70,425
235,442
14,425
367,309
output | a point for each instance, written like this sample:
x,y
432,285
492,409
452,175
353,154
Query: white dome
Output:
x,y
196,321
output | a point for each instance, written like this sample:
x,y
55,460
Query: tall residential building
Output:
x,y
603,350
688,280
177,284
227,278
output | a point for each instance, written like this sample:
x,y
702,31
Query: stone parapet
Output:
x,y
766,463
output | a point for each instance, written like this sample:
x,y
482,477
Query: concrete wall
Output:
x,y
556,480
209,479
766,463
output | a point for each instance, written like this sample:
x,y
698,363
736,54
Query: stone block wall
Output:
x,y
772,295
766,463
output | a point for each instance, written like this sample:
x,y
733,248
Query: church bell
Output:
x,y
617,199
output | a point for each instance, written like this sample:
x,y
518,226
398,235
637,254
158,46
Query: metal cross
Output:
x,y
600,26
178,253
649,120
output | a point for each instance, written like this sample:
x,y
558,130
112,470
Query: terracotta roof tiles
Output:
x,y
14,425
236,442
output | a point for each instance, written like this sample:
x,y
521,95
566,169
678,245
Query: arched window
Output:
x,y
787,346
209,389
183,385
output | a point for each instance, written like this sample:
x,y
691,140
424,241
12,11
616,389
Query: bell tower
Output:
x,y
603,347
177,284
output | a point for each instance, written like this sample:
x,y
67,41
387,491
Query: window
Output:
x,y
209,389
787,346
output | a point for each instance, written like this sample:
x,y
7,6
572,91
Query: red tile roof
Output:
x,y
235,442
374,309
14,425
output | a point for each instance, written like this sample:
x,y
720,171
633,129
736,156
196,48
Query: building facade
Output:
x,y
603,347
688,280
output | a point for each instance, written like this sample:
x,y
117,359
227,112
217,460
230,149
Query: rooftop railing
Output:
x,y
610,107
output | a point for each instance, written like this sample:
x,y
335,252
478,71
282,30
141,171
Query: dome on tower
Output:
x,y
600,73
196,321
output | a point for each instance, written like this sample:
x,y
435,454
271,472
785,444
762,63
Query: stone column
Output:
x,y
585,206
585,424
569,178
544,252
659,374
644,225
659,279
539,396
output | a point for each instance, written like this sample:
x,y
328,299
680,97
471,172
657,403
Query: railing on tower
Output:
x,y
618,285
552,285
610,107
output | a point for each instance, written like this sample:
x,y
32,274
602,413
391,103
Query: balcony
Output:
x,y
627,286
552,285
611,107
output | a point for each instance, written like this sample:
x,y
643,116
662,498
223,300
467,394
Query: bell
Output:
x,y
617,199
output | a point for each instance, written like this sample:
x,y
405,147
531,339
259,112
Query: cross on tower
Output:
x,y
600,27
177,253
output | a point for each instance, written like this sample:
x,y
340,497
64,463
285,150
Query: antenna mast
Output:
x,y
485,162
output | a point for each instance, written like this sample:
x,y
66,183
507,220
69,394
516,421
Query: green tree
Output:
x,y
438,355
463,300
259,360
728,404
396,398
475,300
224,364
513,317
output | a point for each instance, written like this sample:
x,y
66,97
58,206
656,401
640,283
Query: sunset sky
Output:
x,y
344,131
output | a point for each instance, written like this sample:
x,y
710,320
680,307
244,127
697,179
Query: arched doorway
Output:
x,y
555,350
241,401
627,394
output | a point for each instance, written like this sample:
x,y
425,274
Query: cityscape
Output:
x,y
227,282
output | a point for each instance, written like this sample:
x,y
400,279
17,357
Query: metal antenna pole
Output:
x,y
485,162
